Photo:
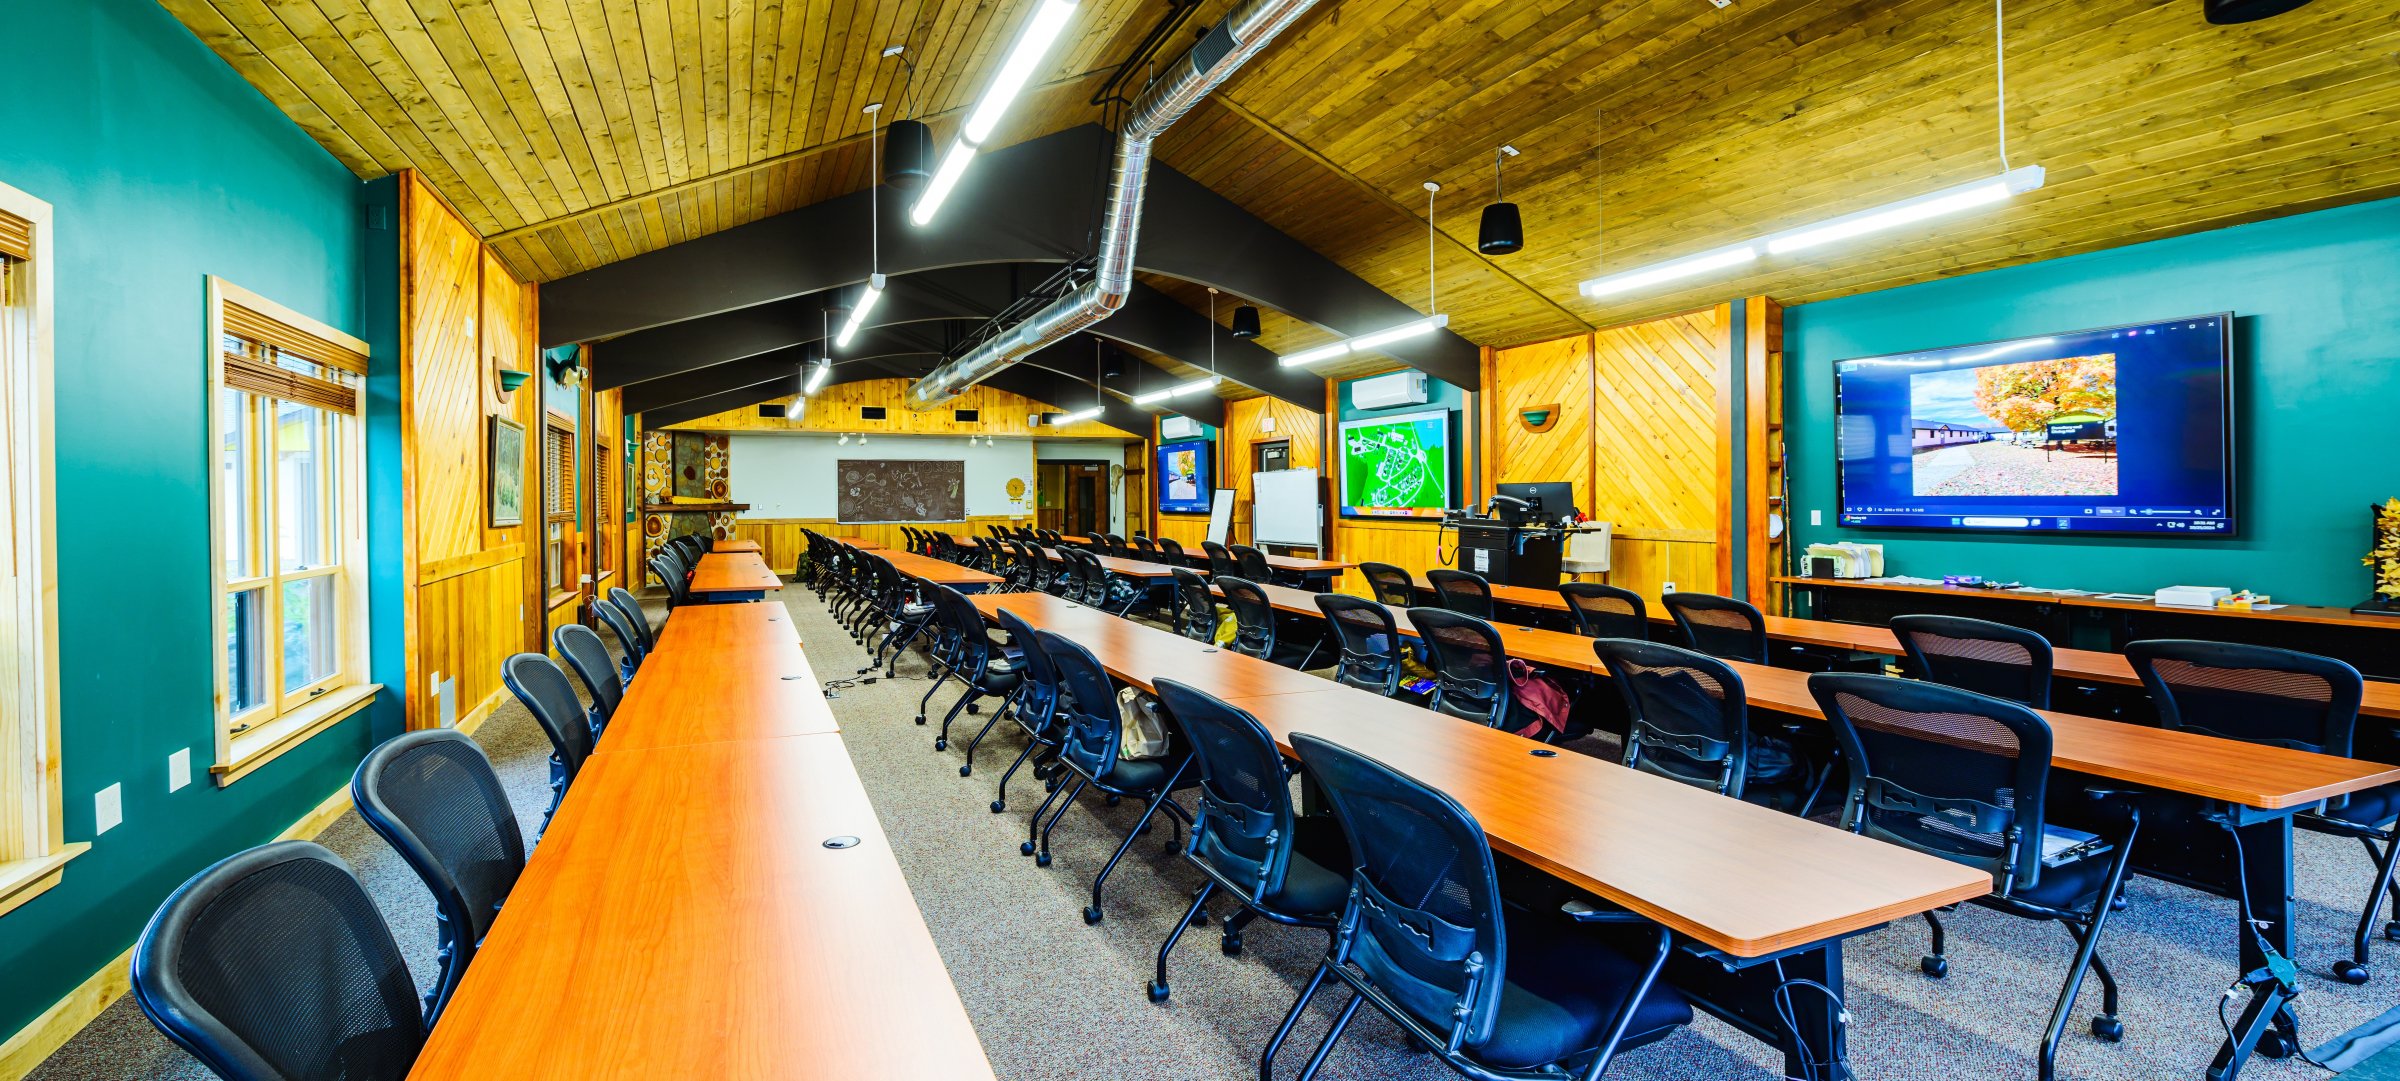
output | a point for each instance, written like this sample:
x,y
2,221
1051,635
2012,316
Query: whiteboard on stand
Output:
x,y
1220,516
1284,509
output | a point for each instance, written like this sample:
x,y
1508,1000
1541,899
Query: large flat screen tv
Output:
x,y
1396,466
1185,476
2117,430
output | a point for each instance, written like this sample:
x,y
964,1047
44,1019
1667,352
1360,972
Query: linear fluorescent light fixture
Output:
x,y
816,376
1890,215
1177,390
1366,342
1873,219
1080,414
858,311
1024,58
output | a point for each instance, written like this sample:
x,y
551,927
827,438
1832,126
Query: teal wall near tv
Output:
x,y
2316,383
162,167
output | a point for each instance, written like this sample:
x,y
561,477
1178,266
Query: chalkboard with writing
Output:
x,y
877,490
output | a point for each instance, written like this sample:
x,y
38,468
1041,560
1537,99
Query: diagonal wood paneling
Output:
x,y
1654,421
1554,373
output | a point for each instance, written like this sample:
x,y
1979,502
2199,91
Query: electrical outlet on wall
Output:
x,y
108,809
179,769
1666,587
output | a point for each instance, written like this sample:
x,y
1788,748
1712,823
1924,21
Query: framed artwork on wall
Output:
x,y
507,467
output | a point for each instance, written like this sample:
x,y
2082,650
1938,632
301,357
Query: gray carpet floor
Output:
x,y
1054,998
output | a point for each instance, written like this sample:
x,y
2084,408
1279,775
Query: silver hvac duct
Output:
x,y
1228,46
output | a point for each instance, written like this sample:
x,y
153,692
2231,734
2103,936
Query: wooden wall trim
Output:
x,y
467,564
1725,458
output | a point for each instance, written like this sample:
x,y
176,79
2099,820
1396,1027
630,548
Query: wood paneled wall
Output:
x,y
1252,421
474,589
1415,547
1642,422
836,409
782,541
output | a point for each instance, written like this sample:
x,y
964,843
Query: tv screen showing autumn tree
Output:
x,y
2118,430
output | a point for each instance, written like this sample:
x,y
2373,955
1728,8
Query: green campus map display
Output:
x,y
1396,467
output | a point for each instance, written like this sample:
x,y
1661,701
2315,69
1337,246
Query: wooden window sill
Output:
x,y
268,741
560,597
24,880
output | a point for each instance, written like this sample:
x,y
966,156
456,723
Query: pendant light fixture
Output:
x,y
1245,322
1095,411
1411,329
866,300
907,143
1032,45
1503,229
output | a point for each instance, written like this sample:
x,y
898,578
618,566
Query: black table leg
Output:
x,y
2267,1025
1745,998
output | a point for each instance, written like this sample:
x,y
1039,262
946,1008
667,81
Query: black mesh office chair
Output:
x,y
1470,667
1247,839
1390,584
433,797
1606,611
1977,655
1495,991
1220,560
1254,623
1966,777
1463,592
1369,640
1089,746
1035,707
628,639
1251,563
1143,548
1112,544
671,575
1721,627
2259,694
542,686
1195,607
275,965
984,667
588,656
1691,721
1171,551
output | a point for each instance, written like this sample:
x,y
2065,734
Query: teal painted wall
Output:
x,y
163,166
2317,392
1466,454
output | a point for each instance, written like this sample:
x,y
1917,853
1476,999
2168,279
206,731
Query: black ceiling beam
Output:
x,y
781,386
1033,380
1035,202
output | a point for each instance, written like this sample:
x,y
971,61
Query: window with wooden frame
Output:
x,y
558,503
33,847
606,513
289,492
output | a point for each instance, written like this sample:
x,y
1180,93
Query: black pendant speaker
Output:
x,y
1245,322
1503,230
2228,12
907,154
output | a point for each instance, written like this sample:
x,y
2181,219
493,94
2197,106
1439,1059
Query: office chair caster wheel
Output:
x,y
920,718
2108,1028
2392,930
1025,849
2350,972
1158,991
2276,1045
1112,801
1041,859
1230,946
973,709
941,744
1090,915
1934,966
2119,903
966,771
998,806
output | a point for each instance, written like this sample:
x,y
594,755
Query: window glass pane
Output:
x,y
308,631
245,650
303,365
234,462
299,486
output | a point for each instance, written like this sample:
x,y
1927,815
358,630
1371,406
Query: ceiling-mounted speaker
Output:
x,y
2229,12
907,154
1503,230
1245,322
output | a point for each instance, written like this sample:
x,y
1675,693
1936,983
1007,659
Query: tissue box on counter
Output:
x,y
2192,596
1848,559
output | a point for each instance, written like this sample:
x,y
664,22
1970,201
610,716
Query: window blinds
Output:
x,y
251,326
245,371
16,237
558,479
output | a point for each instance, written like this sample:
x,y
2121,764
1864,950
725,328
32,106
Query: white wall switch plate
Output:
x,y
108,809
1666,587
179,769
1816,517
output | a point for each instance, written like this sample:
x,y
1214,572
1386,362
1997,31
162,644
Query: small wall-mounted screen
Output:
x,y
1396,466
1186,475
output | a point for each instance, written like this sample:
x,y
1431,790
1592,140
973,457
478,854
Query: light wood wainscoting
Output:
x,y
474,597
783,542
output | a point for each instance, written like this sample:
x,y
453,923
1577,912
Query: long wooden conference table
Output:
x,y
733,576
715,898
937,571
2196,786
1757,896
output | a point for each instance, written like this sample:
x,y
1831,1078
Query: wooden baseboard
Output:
x,y
47,1033
474,718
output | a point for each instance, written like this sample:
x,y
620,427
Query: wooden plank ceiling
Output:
x,y
578,132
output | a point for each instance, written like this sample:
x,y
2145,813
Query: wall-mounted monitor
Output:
x,y
2118,430
1186,476
1396,466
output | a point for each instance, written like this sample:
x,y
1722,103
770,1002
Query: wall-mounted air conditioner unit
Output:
x,y
1386,391
1177,427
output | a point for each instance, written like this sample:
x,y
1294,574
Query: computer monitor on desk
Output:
x,y
1550,501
